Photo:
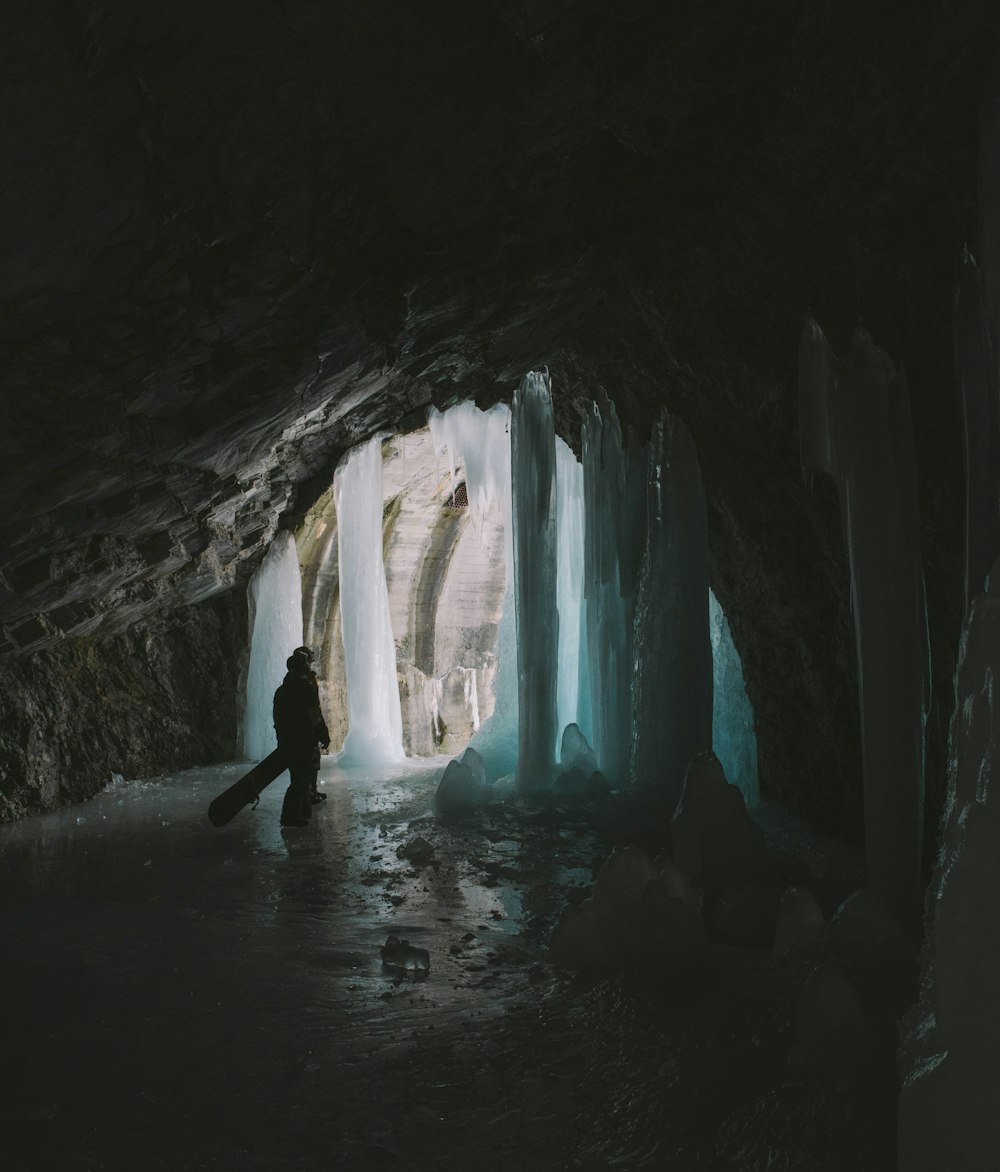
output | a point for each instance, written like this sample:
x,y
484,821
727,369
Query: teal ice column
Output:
x,y
855,426
533,480
672,665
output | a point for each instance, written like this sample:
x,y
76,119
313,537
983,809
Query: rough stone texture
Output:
x,y
713,838
238,237
161,696
633,917
950,1054
832,1037
800,922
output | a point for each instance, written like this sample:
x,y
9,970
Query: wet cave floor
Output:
x,y
176,996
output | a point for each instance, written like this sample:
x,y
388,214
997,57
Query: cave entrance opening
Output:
x,y
445,581
439,537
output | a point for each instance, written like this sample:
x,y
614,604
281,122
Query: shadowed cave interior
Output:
x,y
242,242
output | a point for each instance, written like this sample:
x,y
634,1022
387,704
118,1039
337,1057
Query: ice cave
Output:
x,y
587,420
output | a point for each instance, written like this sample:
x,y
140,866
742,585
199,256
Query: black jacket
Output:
x,y
298,720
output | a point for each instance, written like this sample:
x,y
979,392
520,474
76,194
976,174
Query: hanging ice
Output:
x,y
275,599
533,476
573,686
734,740
673,651
859,430
480,440
615,527
375,724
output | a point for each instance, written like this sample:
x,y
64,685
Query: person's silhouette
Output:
x,y
301,729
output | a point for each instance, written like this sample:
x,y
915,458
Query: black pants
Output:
x,y
303,767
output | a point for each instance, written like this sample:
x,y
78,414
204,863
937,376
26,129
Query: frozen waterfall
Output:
x,y
734,740
533,475
275,598
480,440
573,696
375,723
615,517
673,651
856,426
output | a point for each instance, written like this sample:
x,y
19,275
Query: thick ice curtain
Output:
x,y
533,476
734,738
480,440
614,479
672,683
275,597
574,686
375,724
856,427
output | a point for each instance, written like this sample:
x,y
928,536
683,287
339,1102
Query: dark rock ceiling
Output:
x,y
238,237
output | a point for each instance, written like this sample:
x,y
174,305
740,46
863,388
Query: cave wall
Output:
x,y
159,697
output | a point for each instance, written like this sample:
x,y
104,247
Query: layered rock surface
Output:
x,y
160,696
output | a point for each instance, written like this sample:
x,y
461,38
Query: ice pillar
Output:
x,y
862,435
734,740
533,478
375,724
573,696
275,597
614,529
673,650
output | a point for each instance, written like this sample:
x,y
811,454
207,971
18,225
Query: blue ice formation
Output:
x,y
734,739
480,440
672,678
375,722
275,602
533,476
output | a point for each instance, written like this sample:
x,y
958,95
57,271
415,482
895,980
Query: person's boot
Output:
x,y
291,810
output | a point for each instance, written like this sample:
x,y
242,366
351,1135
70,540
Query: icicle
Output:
x,y
275,597
614,529
870,439
375,723
673,650
734,740
480,441
533,474
573,692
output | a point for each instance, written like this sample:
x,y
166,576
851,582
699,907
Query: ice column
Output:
x,y
375,724
275,597
862,434
734,740
533,479
573,686
673,650
614,532
481,441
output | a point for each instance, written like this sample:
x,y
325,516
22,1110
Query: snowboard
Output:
x,y
228,804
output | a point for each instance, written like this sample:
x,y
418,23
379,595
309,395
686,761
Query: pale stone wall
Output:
x,y
446,583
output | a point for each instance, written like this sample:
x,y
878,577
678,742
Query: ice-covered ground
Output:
x,y
179,997
170,988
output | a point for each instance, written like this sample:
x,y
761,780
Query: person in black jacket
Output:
x,y
301,729
315,796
